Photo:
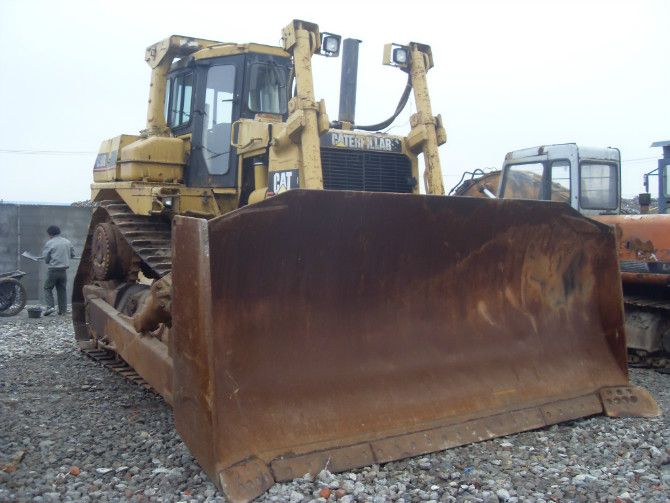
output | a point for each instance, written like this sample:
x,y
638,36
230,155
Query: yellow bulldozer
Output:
x,y
281,282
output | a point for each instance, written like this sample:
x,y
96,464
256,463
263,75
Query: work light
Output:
x,y
330,44
397,55
400,56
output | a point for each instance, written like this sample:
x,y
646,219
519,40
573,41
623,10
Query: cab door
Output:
x,y
213,162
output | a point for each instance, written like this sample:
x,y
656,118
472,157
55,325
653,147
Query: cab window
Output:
x,y
523,181
598,186
181,94
218,113
166,109
560,181
267,88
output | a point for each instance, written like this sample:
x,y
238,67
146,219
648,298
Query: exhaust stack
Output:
x,y
348,80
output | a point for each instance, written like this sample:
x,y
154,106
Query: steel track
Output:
x,y
648,303
636,359
149,237
113,361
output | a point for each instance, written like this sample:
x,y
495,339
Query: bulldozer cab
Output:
x,y
205,97
586,178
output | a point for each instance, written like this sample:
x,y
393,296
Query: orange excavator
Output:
x,y
280,280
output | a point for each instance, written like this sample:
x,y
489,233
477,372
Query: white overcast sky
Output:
x,y
508,75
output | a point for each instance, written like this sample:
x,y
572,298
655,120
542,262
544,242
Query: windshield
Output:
x,y
598,186
523,181
267,88
529,181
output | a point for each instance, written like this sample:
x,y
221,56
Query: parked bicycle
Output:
x,y
12,293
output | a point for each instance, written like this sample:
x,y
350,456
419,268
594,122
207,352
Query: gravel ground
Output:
x,y
78,432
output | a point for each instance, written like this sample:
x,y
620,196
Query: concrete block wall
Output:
x,y
23,227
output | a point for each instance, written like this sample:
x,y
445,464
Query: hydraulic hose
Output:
x,y
399,108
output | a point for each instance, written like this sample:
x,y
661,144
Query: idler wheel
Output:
x,y
104,252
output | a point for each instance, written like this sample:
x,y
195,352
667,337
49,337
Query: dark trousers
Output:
x,y
56,278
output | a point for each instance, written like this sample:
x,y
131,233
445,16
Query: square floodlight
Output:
x,y
330,44
401,56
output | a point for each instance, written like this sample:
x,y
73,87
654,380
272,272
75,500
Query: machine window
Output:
x,y
523,181
267,88
168,92
218,113
666,173
180,107
598,186
560,181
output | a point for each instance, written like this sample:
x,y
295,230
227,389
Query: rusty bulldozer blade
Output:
x,y
338,329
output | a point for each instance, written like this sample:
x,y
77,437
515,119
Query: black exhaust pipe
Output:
x,y
348,80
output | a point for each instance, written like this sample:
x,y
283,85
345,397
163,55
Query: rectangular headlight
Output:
x,y
401,56
330,44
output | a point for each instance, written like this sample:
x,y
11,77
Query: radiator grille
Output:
x,y
366,171
633,266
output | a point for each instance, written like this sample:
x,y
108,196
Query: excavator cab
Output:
x,y
585,178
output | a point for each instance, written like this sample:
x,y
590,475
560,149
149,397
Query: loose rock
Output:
x,y
86,434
